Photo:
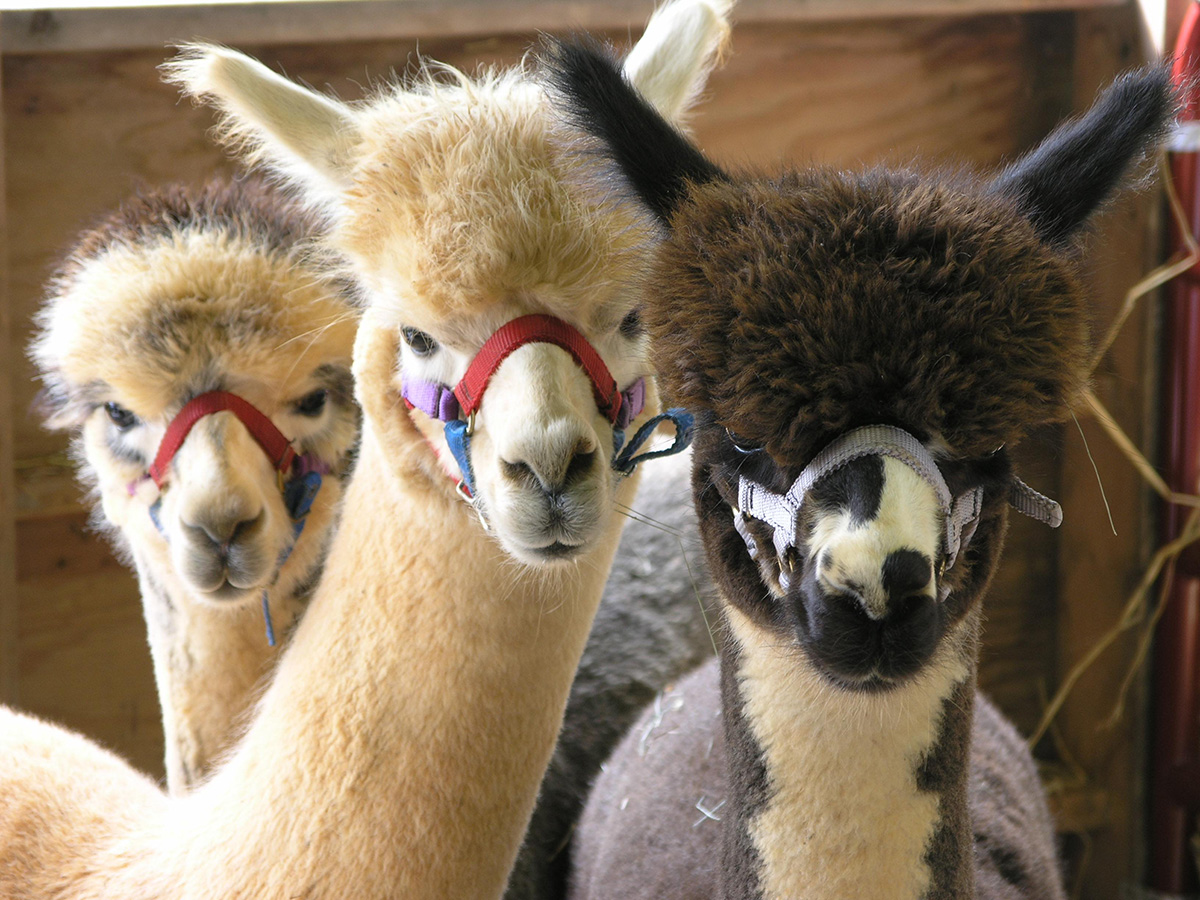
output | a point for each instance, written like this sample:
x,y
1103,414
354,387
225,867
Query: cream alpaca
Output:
x,y
178,292
399,748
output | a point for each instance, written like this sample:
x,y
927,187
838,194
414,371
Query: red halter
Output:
x,y
544,330
278,448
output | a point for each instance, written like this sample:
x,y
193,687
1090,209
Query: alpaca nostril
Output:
x,y
553,480
248,528
518,472
580,467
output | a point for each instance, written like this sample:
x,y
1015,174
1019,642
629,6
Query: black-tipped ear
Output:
x,y
1074,170
656,159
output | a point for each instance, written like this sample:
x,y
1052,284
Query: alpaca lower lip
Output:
x,y
226,591
867,684
557,550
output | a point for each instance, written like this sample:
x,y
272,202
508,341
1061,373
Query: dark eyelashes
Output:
x,y
120,416
421,343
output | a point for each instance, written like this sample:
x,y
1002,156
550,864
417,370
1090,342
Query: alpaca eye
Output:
x,y
312,404
631,325
421,343
741,444
120,416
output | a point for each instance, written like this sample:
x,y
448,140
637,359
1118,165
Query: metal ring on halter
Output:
x,y
460,488
471,424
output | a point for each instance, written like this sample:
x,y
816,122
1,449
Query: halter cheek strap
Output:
x,y
962,513
450,405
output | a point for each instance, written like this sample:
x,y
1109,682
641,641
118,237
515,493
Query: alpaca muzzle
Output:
x,y
298,476
781,512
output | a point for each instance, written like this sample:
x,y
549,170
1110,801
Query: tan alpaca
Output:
x,y
177,292
399,748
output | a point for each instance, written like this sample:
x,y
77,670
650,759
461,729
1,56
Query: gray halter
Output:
x,y
781,511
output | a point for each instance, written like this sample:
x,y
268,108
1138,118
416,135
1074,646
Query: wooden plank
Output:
x,y
9,666
84,659
46,30
1098,569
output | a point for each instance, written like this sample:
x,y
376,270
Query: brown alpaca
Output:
x,y
399,748
177,292
861,349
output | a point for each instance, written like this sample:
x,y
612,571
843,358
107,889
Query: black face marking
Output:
x,y
906,572
856,487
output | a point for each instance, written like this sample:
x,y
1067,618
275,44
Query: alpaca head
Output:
x,y
861,349
178,293
451,203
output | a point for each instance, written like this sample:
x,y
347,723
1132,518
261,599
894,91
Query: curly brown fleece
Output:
x,y
800,306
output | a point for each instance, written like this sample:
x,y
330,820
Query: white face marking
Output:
x,y
850,555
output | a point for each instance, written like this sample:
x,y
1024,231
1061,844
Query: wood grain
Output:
x,y
278,23
1097,569
9,649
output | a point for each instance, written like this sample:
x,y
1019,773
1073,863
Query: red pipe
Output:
x,y
1174,803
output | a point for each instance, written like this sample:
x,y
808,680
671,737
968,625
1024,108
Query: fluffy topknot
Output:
x,y
245,210
180,283
798,307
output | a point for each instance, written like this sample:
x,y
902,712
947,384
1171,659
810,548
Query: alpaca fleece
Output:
x,y
801,306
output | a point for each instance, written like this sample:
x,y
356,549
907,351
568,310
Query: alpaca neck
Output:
x,y
209,663
399,748
837,794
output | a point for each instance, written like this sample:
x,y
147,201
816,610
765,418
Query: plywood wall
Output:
x,y
81,129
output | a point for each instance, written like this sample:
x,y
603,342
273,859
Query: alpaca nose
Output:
x,y
552,473
853,643
223,528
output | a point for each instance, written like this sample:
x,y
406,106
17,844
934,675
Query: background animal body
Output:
x,y
789,312
176,293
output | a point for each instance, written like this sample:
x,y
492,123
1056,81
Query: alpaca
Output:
x,y
861,351
177,292
398,749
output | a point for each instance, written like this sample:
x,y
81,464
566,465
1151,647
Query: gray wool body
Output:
x,y
649,630
652,827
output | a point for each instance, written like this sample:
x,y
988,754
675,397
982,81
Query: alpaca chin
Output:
x,y
541,529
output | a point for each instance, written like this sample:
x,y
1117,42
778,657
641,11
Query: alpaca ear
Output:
x,y
655,160
1083,161
308,138
682,43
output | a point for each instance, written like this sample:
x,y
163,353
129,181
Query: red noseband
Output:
x,y
278,448
542,330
